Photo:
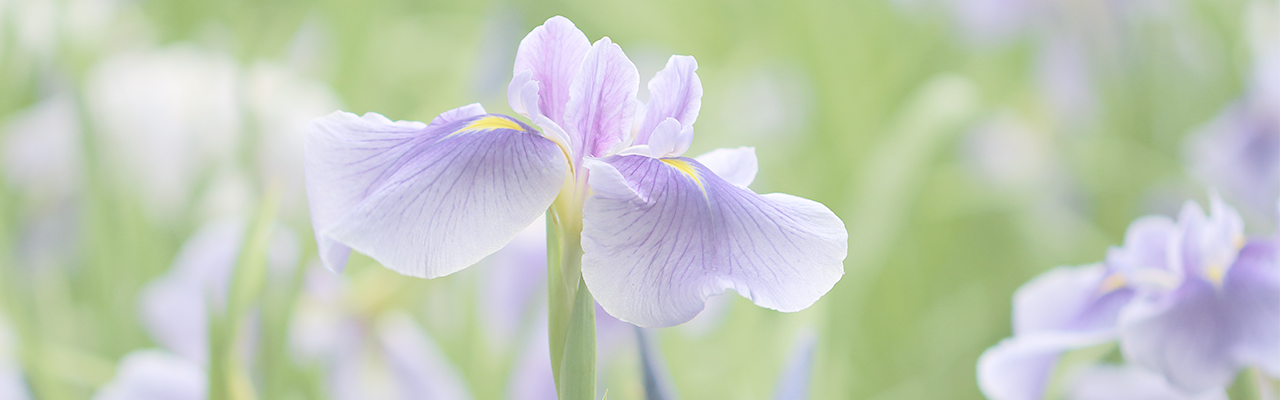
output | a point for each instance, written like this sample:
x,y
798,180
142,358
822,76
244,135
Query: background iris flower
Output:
x,y
1192,303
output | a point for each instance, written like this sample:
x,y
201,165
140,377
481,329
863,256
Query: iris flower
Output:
x,y
659,233
1192,301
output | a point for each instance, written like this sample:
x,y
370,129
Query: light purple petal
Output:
x,y
1019,368
465,112
661,236
1068,299
1146,246
1107,382
675,92
155,375
1254,282
1208,244
421,369
737,166
426,201
1200,335
602,100
669,139
552,54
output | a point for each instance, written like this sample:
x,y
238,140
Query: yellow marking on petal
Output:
x,y
687,169
492,122
1111,283
1214,273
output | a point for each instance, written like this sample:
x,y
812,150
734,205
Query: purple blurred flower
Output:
x,y
1113,382
661,233
42,151
793,383
1238,152
1190,301
174,307
1220,317
405,362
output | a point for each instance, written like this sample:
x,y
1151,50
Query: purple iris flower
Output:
x,y
660,233
1223,313
1191,301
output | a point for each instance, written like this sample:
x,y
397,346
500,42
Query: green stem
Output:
x,y
570,310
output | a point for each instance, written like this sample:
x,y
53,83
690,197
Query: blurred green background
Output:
x,y
963,162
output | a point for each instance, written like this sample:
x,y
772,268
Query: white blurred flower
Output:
x,y
283,102
767,106
155,375
12,385
164,117
1009,154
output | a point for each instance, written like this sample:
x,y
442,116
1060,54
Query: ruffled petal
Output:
x,y
737,166
602,100
1019,368
155,375
660,236
1111,382
675,92
1068,299
423,200
552,55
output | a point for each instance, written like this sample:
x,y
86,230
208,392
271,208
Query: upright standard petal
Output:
x,y
1200,335
426,201
660,236
1207,245
602,101
552,55
675,92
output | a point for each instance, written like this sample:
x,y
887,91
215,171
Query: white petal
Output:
x,y
738,166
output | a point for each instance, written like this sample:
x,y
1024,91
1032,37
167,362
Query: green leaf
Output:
x,y
578,367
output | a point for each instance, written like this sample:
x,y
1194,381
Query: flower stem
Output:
x,y
570,310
